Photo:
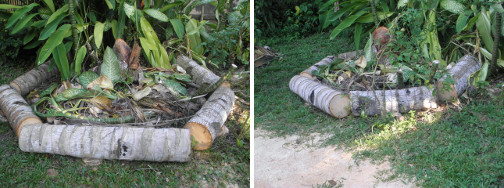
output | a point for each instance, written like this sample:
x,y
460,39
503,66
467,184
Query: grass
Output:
x,y
226,163
450,148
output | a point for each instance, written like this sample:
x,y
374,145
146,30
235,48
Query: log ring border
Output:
x,y
114,141
339,104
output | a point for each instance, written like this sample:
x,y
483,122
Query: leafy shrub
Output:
x,y
9,46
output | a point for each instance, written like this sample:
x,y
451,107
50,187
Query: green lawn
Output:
x,y
450,148
226,163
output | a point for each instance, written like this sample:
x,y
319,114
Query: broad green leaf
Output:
x,y
18,14
110,66
51,43
157,14
115,29
453,6
32,44
55,15
61,61
50,28
153,60
178,27
432,38
170,6
79,59
346,23
402,3
497,7
357,36
368,50
110,4
148,31
500,62
182,77
119,27
7,6
49,90
98,33
49,4
22,23
165,61
471,23
484,27
87,77
68,46
484,71
30,36
38,24
74,93
129,10
368,18
174,87
462,20
194,37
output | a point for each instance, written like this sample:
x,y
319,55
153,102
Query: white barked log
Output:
x,y
460,74
200,75
324,62
101,142
33,78
15,109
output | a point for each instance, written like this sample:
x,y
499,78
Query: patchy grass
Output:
x,y
226,163
450,148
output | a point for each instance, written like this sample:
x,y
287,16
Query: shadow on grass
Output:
x,y
455,148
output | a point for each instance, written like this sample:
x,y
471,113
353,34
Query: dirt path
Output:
x,y
288,162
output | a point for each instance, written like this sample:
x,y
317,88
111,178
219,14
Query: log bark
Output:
x,y
206,125
33,78
326,61
460,74
199,74
349,55
99,142
16,110
400,100
329,100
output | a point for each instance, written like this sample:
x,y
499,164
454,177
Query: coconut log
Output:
x,y
100,142
460,74
326,61
206,125
398,100
329,100
349,55
200,75
15,109
33,78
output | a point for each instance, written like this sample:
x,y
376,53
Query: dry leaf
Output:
x,y
361,62
103,82
122,49
134,58
102,102
141,94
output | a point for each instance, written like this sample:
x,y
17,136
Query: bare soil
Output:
x,y
296,161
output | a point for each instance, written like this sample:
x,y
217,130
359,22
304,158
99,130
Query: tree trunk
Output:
x,y
326,61
100,142
206,125
15,109
460,74
400,100
325,98
33,78
200,75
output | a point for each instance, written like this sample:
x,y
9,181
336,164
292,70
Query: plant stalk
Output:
x,y
71,7
495,52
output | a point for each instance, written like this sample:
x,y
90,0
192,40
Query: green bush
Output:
x,y
9,45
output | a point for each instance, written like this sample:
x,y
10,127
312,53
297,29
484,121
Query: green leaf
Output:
x,y
74,93
61,61
178,27
462,20
484,71
115,29
38,24
195,4
30,36
32,44
22,23
484,28
51,43
55,15
471,23
402,3
453,6
174,87
165,61
50,28
170,6
148,31
49,4
49,90
110,66
129,10
79,59
182,77
18,14
98,33
357,36
368,50
368,18
157,14
87,77
194,36
346,23
110,4
7,6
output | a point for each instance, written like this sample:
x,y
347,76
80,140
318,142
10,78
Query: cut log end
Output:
x,y
15,86
307,75
444,94
340,106
226,84
200,136
27,121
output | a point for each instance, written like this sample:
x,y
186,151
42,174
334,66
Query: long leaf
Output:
x,y
357,36
49,4
110,66
79,59
61,61
165,61
194,36
170,6
346,23
148,31
98,33
462,20
22,23
402,3
178,27
368,50
50,28
18,14
157,14
7,6
30,36
110,4
484,27
55,15
453,6
368,18
51,43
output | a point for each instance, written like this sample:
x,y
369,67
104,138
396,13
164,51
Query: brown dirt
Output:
x,y
289,162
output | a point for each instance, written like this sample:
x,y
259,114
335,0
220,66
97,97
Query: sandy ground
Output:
x,y
289,162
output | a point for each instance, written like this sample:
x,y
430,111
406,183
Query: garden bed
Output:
x,y
340,103
139,141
